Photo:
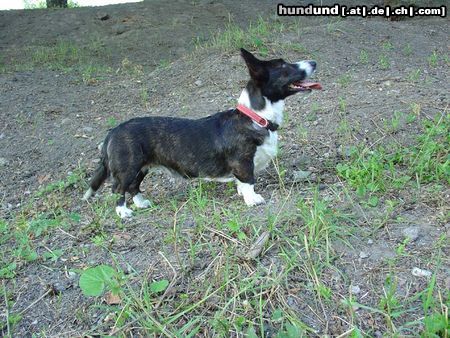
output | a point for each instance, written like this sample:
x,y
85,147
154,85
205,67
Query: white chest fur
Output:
x,y
272,111
266,152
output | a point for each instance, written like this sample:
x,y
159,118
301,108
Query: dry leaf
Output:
x,y
112,299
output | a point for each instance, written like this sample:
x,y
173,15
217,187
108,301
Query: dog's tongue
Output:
x,y
311,85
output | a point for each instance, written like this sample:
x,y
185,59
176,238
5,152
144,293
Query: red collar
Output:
x,y
254,116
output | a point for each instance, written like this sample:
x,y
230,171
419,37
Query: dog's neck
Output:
x,y
252,98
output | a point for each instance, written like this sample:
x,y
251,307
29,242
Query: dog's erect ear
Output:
x,y
255,66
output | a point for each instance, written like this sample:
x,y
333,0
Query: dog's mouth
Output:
x,y
304,85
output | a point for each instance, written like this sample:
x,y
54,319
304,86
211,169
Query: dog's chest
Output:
x,y
266,151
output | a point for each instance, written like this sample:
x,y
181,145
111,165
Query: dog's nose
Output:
x,y
313,64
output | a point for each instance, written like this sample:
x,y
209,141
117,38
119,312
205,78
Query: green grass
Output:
x,y
384,62
255,37
377,170
364,57
87,61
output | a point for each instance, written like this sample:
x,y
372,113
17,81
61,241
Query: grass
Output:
x,y
87,61
377,170
200,282
255,37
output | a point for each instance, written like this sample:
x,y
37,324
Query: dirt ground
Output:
x,y
157,58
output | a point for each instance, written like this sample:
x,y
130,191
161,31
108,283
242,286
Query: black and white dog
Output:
x,y
229,146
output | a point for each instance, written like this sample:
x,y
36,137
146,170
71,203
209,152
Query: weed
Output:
x,y
164,64
144,96
363,57
235,225
255,37
366,171
319,219
433,59
394,124
430,159
389,303
297,47
65,56
342,105
384,62
414,75
371,171
407,50
344,79
52,255
71,180
95,281
111,122
334,25
387,46
131,68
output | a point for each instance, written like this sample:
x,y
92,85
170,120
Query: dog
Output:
x,y
231,145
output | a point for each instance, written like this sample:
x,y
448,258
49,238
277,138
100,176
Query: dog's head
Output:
x,y
278,79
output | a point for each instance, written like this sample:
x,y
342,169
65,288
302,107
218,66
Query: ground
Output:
x,y
356,225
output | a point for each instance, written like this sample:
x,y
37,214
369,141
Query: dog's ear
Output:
x,y
255,67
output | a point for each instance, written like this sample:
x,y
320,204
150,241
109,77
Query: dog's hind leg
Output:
x,y
120,186
138,199
96,181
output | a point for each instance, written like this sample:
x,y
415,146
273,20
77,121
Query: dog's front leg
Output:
x,y
245,180
247,191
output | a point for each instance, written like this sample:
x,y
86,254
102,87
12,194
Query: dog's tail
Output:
x,y
100,174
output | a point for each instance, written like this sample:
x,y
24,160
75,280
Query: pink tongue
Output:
x,y
311,85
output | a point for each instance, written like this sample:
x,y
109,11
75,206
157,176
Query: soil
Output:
x,y
52,121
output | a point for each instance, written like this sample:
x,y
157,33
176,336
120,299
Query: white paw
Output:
x,y
250,197
141,202
255,199
123,211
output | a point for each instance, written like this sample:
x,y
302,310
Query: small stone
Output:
x,y
370,241
300,175
198,83
447,283
96,160
66,120
3,161
2,136
420,272
355,289
236,59
345,151
119,29
88,129
102,16
57,288
411,233
363,255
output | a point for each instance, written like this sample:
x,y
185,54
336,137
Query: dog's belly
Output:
x,y
266,152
